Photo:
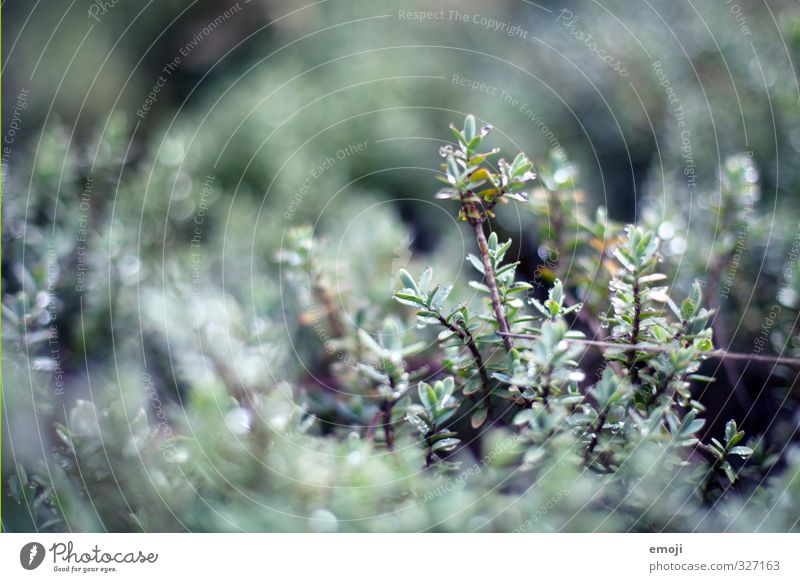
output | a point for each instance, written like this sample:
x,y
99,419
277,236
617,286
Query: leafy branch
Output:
x,y
721,455
661,349
429,303
385,369
437,405
472,181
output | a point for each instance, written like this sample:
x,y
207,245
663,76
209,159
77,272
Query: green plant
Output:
x,y
590,393
648,392
437,405
478,188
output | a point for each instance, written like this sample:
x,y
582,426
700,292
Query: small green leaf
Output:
x,y
469,128
425,279
440,296
471,388
690,424
431,399
729,472
697,293
730,431
477,263
63,434
655,277
408,280
423,391
694,426
492,242
458,135
445,445
479,286
408,299
442,434
370,342
419,424
532,456
479,417
503,249
448,386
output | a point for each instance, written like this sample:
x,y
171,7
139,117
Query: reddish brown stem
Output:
x,y
491,283
718,354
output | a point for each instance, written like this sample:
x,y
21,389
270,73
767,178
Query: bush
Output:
x,y
572,401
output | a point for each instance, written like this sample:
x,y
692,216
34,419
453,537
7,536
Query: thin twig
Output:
x,y
388,427
601,421
717,354
386,412
491,283
720,329
633,361
466,336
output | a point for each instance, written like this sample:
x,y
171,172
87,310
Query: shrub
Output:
x,y
482,407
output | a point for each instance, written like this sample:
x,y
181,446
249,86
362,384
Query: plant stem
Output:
x,y
718,354
386,413
373,425
709,483
546,388
601,421
713,471
635,328
720,329
388,429
466,337
429,449
491,283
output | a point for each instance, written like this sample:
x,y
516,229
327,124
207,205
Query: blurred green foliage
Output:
x,y
170,353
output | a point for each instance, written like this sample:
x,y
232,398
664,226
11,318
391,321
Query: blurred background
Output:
x,y
263,89
156,153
